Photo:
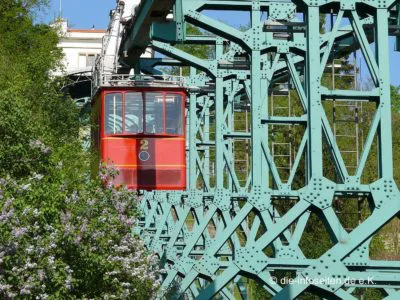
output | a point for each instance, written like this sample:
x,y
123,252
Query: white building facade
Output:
x,y
80,47
85,49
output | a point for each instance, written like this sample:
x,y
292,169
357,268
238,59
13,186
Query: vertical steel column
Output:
x,y
192,136
313,83
264,112
230,127
187,143
385,128
256,101
219,122
397,48
206,132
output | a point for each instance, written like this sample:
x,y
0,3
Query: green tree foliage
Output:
x,y
29,102
395,93
201,51
62,235
71,245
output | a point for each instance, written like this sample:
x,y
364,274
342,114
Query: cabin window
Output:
x,y
113,113
154,113
133,113
173,114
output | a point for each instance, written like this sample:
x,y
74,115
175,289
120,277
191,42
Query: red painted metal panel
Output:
x,y
145,161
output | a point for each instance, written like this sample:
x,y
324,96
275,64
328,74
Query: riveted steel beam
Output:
x,y
227,226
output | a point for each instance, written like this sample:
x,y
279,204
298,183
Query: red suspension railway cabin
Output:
x,y
141,131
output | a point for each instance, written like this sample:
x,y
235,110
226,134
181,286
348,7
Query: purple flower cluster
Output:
x,y
38,144
47,250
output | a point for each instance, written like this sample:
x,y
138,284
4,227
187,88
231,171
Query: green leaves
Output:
x,y
62,235
31,108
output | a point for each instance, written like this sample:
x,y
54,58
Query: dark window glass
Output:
x,y
113,113
154,113
133,113
174,119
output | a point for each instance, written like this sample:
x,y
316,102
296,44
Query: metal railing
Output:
x,y
129,80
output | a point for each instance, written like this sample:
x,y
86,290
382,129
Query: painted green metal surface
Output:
x,y
397,16
225,228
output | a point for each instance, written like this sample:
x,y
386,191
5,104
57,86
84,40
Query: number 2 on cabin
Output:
x,y
144,145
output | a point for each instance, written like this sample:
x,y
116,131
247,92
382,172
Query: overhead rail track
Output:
x,y
136,36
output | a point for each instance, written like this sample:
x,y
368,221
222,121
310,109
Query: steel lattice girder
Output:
x,y
219,245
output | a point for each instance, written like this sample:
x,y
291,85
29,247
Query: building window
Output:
x,y
90,60
87,60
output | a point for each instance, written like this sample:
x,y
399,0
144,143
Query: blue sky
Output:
x,y
85,14
81,14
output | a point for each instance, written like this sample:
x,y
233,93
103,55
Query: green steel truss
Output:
x,y
229,225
